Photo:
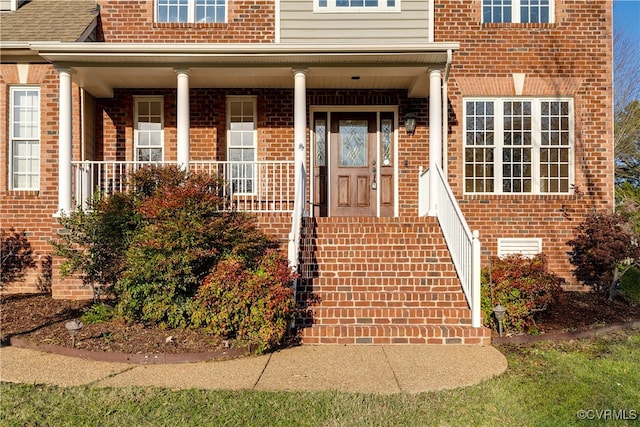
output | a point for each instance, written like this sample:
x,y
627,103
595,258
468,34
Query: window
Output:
x,y
149,129
534,11
518,146
242,143
25,138
191,11
356,5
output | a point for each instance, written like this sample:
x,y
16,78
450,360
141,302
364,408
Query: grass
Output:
x,y
547,384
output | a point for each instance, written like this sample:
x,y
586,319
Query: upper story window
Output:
x,y
517,11
11,5
24,133
515,145
356,5
149,129
191,10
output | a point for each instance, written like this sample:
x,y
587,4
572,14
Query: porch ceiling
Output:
x,y
101,68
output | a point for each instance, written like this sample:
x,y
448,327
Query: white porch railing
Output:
x,y
464,245
262,186
296,217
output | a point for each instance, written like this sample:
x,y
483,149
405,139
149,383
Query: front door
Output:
x,y
352,150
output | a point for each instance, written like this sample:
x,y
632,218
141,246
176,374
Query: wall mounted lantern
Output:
x,y
410,123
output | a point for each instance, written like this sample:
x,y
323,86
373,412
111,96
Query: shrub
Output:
x,y
16,255
524,286
94,241
603,248
630,286
253,304
184,231
98,313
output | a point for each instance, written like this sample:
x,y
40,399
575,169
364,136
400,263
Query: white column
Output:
x,y
435,135
64,142
300,115
183,120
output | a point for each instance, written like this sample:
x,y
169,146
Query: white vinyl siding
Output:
x,y
242,145
24,133
149,129
518,145
407,23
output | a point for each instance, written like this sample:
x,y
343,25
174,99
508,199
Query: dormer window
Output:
x,y
197,11
517,11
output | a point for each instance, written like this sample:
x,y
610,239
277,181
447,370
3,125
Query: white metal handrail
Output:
x,y
261,186
464,246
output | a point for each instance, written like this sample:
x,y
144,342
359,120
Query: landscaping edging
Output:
x,y
141,359
564,336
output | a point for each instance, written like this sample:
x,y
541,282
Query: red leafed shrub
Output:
x,y
603,248
253,304
524,286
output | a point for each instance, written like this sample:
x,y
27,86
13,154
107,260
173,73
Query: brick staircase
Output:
x,y
381,281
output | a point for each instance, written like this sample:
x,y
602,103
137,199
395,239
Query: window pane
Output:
x,y
25,136
210,10
148,131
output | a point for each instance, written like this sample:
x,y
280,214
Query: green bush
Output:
x,y
184,231
98,313
94,241
252,304
524,286
630,286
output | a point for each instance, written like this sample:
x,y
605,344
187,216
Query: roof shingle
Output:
x,y
48,20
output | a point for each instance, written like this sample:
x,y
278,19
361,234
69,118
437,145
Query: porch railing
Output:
x,y
296,217
261,186
464,245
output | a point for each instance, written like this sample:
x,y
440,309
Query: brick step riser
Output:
x,y
380,281
398,334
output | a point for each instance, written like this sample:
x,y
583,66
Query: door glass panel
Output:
x,y
321,144
386,142
353,143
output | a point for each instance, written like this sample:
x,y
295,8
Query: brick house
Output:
x,y
370,136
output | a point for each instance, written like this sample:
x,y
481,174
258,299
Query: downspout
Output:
x,y
445,113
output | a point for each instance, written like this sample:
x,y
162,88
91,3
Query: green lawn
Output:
x,y
547,384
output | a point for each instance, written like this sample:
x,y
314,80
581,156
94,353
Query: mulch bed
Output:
x,y
39,319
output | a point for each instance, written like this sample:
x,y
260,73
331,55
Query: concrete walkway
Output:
x,y
366,369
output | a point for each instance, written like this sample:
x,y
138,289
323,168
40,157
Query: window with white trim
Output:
x,y
516,11
356,5
24,134
191,11
242,143
517,145
149,129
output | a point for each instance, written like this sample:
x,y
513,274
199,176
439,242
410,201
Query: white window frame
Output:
x,y
332,7
136,131
231,173
536,145
515,13
191,13
15,139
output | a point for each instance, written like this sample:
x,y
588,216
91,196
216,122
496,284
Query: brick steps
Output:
x,y
381,281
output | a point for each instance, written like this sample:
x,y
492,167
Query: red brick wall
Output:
x,y
249,21
32,211
569,58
